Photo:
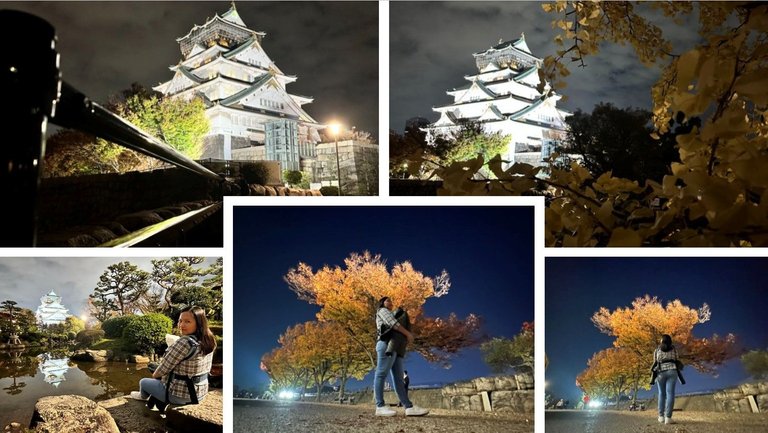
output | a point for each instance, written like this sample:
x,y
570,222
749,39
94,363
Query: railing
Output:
x,y
34,95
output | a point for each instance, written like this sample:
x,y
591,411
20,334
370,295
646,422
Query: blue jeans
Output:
x,y
666,381
392,365
156,388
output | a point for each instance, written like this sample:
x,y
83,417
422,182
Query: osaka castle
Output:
x,y
502,96
50,311
252,115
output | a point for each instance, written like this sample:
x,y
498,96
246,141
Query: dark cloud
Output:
x,y
332,47
447,33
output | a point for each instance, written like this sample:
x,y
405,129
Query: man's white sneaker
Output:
x,y
416,411
136,395
385,411
661,419
667,420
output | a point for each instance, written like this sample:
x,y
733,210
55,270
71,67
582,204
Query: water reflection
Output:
x,y
26,376
16,367
53,368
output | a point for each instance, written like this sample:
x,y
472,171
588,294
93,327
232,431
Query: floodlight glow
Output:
x,y
286,395
595,403
335,128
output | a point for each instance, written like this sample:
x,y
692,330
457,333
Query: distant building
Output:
x,y
502,96
51,311
358,161
223,62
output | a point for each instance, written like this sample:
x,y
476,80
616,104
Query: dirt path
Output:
x,y
596,421
295,417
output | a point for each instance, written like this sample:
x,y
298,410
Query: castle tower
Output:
x,y
502,96
51,311
223,62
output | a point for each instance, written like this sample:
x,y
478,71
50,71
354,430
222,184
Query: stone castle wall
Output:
x,y
743,398
505,393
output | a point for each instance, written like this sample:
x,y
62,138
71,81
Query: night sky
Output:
x,y
431,46
332,47
488,252
576,288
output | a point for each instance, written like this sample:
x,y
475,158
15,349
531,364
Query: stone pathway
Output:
x,y
598,421
300,417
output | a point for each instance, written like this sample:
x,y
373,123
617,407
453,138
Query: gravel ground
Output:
x,y
295,417
593,421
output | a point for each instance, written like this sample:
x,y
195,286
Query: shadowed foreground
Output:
x,y
295,417
596,421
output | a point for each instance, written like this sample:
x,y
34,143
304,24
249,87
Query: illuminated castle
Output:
x,y
50,311
252,115
502,97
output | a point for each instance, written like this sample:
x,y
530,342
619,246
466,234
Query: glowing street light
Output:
x,y
335,129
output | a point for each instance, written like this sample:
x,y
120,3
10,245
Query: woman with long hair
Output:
x,y
666,368
181,377
388,362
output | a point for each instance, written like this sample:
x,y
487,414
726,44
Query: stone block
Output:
x,y
476,403
505,383
501,400
744,406
484,384
70,414
460,402
749,389
762,387
762,402
524,381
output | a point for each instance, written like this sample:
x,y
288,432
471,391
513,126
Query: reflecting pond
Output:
x,y
26,376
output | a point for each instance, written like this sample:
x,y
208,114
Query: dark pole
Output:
x,y
338,166
30,83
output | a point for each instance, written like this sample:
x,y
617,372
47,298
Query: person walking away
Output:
x,y
666,368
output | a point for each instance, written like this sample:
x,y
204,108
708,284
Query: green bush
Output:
x,y
329,190
254,173
89,337
147,333
114,326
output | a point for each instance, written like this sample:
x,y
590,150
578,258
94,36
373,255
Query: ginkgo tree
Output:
x,y
614,372
348,296
717,195
639,327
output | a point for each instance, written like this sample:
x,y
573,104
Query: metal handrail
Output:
x,y
76,111
33,95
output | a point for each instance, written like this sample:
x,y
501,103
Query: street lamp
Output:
x,y
335,129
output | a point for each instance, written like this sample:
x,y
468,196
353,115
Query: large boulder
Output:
x,y
71,414
92,355
484,384
206,417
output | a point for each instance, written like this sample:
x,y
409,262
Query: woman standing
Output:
x,y
666,368
390,363
182,375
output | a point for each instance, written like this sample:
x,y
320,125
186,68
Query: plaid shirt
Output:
x,y
385,320
197,364
665,360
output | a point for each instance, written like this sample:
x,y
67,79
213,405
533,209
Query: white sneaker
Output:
x,y
385,411
136,395
661,419
667,420
416,411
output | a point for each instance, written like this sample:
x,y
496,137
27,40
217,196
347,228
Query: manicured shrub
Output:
x,y
147,333
114,326
89,337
